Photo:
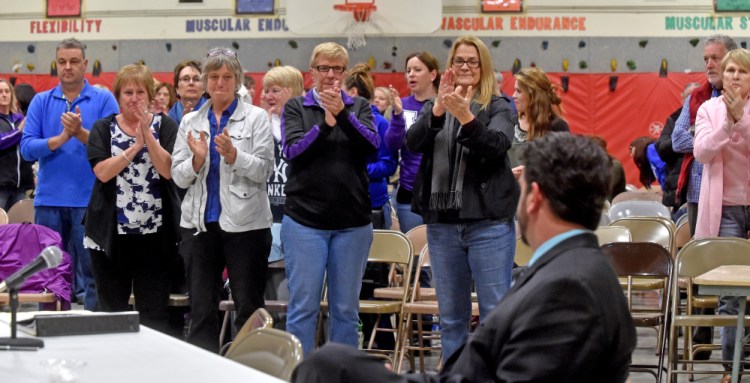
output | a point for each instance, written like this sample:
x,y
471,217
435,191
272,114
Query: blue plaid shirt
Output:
x,y
682,142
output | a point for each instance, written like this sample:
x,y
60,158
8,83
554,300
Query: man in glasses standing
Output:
x,y
56,133
326,230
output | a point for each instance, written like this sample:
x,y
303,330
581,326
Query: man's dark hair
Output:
x,y
572,172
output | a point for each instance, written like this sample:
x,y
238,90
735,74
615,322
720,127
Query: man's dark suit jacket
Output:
x,y
564,320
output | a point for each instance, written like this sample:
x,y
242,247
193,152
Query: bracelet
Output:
x,y
126,157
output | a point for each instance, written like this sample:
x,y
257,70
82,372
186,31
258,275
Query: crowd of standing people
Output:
x,y
151,176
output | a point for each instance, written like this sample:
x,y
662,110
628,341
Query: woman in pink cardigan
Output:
x,y
722,144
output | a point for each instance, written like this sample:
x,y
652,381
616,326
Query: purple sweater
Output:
x,y
394,139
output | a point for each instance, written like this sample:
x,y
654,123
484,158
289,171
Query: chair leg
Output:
x,y
406,333
320,332
374,331
401,350
223,331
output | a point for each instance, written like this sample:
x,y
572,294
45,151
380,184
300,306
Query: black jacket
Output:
x,y
327,182
489,190
673,161
564,320
15,172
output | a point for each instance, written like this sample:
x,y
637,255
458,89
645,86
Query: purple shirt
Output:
x,y
394,139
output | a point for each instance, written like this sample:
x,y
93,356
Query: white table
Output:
x,y
143,357
731,280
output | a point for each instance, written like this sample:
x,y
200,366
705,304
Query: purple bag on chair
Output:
x,y
20,244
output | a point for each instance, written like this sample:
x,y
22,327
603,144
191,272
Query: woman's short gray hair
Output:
x,y
219,57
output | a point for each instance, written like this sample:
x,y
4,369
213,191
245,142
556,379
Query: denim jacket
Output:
x,y
243,190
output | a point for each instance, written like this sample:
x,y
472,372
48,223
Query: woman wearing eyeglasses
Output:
x,y
189,87
326,230
465,190
223,157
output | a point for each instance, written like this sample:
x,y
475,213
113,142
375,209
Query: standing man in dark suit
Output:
x,y
565,319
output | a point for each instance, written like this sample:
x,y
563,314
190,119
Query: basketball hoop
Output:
x,y
355,29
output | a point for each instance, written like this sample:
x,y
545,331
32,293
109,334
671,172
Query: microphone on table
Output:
x,y
50,257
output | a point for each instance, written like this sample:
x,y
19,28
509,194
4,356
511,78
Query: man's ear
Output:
x,y
535,198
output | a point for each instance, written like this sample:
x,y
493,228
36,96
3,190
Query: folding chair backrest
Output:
x,y
3,217
609,234
259,319
390,246
269,350
650,229
682,235
418,238
639,259
702,255
636,196
22,212
635,208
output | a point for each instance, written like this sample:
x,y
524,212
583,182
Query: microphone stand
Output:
x,y
14,343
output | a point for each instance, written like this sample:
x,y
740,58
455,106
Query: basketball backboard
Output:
x,y
392,17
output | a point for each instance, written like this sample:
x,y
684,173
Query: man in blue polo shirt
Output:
x,y
56,133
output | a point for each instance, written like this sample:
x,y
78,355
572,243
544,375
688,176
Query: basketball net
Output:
x,y
355,30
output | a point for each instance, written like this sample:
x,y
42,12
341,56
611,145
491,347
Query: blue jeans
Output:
x,y
311,255
481,250
68,222
407,219
735,222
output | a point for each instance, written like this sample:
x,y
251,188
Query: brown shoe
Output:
x,y
727,378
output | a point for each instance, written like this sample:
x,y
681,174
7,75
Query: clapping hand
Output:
x,y
330,100
446,87
72,122
395,98
199,148
459,106
735,104
225,147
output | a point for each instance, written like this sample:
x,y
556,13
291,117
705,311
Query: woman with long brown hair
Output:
x,y
539,109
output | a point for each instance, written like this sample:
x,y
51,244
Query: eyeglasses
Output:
x,y
326,68
472,63
221,51
188,79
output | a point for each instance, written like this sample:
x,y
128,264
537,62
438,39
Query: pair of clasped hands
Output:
x,y
735,105
141,113
453,99
73,126
330,100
